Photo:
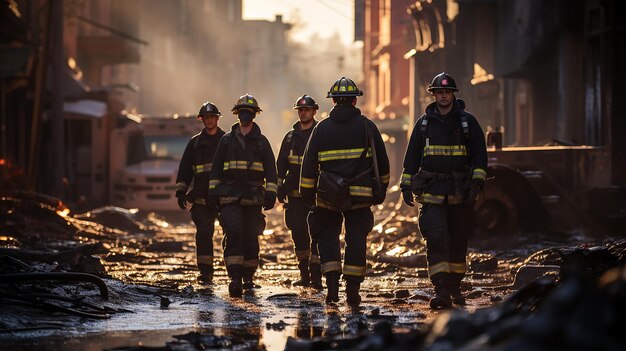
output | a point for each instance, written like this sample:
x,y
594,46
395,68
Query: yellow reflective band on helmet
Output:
x,y
344,154
307,182
231,260
357,271
360,191
458,267
202,168
213,183
405,179
295,159
269,186
181,186
385,178
255,166
479,173
445,150
331,266
440,267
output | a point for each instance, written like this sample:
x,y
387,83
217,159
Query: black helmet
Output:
x,y
208,108
443,81
305,101
246,101
344,87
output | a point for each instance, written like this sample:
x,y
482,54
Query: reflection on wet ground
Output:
x,y
149,267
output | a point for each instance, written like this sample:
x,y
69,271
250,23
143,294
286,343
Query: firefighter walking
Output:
x,y
243,177
288,164
340,152
445,169
192,184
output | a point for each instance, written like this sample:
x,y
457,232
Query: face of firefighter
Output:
x,y
444,99
306,115
210,123
245,116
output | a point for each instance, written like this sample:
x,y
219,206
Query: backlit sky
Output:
x,y
324,17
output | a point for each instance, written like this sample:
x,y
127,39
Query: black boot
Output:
x,y
316,276
303,266
455,289
235,286
206,274
332,284
442,299
248,274
352,292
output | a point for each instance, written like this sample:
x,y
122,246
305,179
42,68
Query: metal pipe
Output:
x,y
64,276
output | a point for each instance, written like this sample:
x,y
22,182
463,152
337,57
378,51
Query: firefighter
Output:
x,y
244,179
192,183
445,169
288,164
340,153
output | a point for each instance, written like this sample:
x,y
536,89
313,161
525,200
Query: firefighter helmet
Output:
x,y
443,81
208,109
305,101
344,87
246,101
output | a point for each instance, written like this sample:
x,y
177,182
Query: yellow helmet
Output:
x,y
246,101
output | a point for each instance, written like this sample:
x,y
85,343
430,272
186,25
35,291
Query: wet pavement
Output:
x,y
148,265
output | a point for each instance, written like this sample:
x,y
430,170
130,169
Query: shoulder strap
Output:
x,y
465,126
372,145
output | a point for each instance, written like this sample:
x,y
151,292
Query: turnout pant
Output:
x,y
204,219
296,213
447,229
325,227
242,226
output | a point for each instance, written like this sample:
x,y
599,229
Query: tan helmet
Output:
x,y
246,101
344,87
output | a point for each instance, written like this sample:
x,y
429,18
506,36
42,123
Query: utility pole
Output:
x,y
58,70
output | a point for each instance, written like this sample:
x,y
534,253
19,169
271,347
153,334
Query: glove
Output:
x,y
474,189
407,196
182,200
268,202
282,194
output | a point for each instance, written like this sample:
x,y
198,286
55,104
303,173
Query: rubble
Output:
x,y
517,295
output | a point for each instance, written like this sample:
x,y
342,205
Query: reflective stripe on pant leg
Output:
x,y
433,222
295,219
331,266
359,223
232,221
204,219
460,224
254,224
325,226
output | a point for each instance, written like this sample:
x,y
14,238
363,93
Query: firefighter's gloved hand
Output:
x,y
269,201
474,189
407,196
282,194
182,200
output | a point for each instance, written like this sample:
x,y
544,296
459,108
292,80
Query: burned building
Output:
x,y
543,78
